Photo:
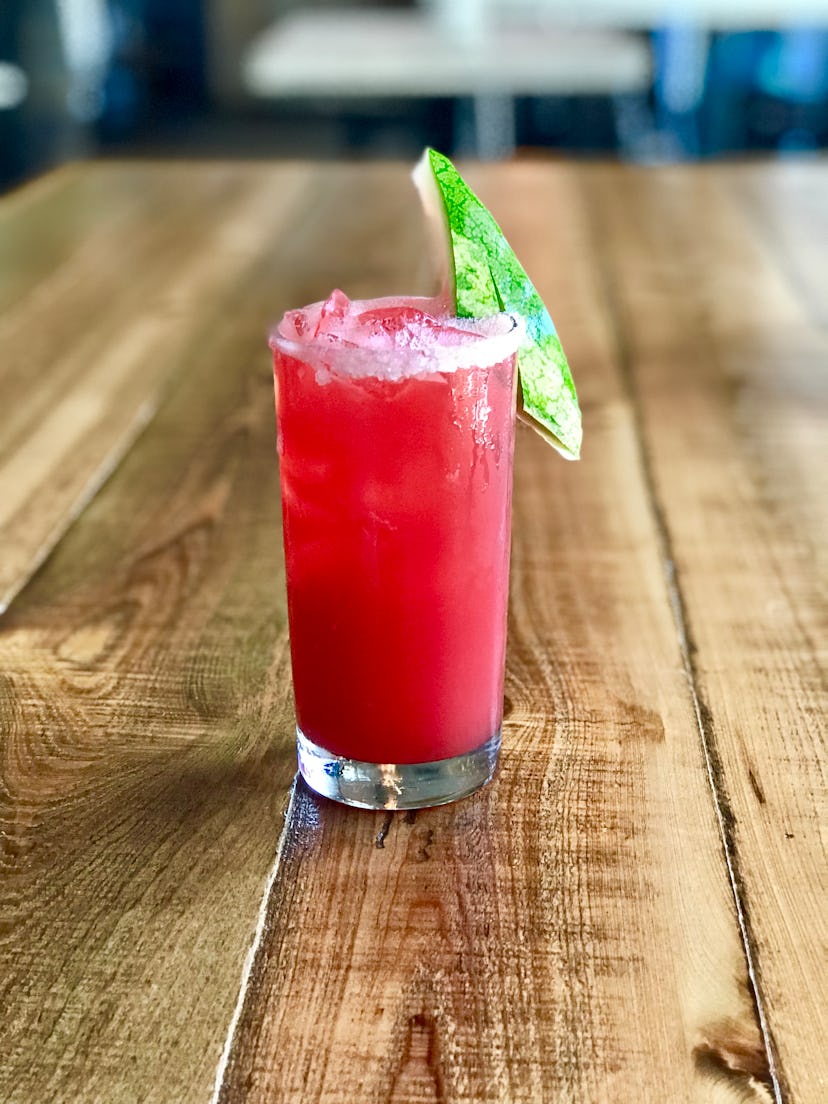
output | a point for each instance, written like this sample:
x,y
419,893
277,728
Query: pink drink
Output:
x,y
396,434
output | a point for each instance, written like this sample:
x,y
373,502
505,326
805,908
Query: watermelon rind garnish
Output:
x,y
483,277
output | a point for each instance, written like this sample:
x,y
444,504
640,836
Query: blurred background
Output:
x,y
644,80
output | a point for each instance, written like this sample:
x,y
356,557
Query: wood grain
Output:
x,y
145,698
147,740
568,934
576,933
104,276
719,279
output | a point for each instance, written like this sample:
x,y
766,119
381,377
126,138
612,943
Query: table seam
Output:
x,y
725,817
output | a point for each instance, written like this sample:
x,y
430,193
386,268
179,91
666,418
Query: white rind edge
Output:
x,y
437,226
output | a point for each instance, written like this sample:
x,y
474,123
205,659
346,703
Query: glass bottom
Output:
x,y
395,785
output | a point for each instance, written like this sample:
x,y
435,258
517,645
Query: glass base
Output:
x,y
395,785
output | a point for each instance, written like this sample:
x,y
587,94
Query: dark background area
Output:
x,y
169,77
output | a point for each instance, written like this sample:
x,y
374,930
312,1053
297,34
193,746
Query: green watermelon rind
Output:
x,y
489,278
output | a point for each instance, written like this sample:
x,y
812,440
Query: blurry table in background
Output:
x,y
675,82
400,54
634,909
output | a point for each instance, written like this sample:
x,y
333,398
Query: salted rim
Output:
x,y
501,337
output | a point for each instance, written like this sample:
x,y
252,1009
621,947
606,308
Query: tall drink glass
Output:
x,y
395,438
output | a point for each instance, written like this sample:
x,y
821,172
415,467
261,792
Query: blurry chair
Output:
x,y
37,127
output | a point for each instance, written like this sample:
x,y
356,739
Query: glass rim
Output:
x,y
491,348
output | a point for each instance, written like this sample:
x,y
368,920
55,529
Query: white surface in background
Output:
x,y
641,14
86,38
385,53
14,86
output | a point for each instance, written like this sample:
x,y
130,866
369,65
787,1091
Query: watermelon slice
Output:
x,y
483,277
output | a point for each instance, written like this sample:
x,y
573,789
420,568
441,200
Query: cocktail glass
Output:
x,y
395,439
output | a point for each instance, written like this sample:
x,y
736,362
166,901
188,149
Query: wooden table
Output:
x,y
635,909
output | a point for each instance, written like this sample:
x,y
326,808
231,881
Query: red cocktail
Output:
x,y
396,432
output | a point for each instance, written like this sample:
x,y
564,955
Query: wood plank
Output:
x,y
147,735
722,300
569,934
786,211
116,264
30,219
